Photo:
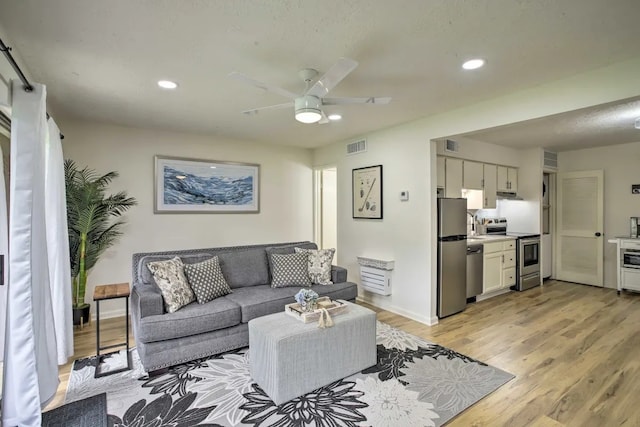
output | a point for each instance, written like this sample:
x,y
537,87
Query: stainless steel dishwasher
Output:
x,y
474,271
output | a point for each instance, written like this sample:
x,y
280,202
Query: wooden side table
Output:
x,y
104,292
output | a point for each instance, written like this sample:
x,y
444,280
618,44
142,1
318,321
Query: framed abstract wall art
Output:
x,y
367,192
205,186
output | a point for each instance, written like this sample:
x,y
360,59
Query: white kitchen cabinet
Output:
x,y
453,178
499,263
507,179
508,277
441,173
490,186
472,175
492,272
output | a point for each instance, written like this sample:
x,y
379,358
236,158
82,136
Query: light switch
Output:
x,y
404,195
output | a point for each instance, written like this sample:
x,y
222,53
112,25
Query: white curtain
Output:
x,y
58,244
4,250
30,368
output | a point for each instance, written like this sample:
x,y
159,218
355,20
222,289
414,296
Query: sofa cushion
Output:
x,y
144,274
206,280
262,300
245,268
290,270
192,319
319,265
285,250
170,278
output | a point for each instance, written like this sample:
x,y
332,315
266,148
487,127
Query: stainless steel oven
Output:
x,y
631,258
529,255
528,260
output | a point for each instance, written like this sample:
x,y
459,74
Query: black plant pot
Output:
x,y
81,315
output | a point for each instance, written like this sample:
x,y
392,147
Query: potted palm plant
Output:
x,y
94,223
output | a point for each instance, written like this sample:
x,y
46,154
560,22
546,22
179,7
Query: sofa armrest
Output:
x,y
146,300
338,274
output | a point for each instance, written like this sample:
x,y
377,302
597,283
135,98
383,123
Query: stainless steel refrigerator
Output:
x,y
452,256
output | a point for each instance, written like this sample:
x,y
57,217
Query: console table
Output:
x,y
104,292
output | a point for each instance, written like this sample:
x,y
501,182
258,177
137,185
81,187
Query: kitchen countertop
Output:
x,y
474,240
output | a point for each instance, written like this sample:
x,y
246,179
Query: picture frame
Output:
x,y
184,185
367,192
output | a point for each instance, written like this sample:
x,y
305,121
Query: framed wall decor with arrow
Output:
x,y
367,192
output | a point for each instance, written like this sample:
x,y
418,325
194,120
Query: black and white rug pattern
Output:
x,y
414,383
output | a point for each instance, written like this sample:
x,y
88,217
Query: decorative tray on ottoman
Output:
x,y
333,307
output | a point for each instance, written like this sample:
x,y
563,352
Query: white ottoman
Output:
x,y
289,358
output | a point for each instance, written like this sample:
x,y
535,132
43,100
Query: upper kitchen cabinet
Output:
x,y
453,177
490,186
441,173
472,175
507,179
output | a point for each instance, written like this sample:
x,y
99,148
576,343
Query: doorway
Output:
x,y
326,208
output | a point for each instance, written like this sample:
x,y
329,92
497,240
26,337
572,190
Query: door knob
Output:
x,y
598,234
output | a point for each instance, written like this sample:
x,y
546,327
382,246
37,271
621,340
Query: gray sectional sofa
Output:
x,y
198,330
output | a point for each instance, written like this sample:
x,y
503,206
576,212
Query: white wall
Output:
x,y
407,234
621,169
285,194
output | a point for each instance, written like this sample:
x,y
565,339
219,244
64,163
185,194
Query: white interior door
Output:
x,y
326,235
580,224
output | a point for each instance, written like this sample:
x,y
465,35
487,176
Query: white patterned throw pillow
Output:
x,y
319,265
289,270
206,280
170,278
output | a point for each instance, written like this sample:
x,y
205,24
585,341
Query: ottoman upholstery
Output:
x,y
289,358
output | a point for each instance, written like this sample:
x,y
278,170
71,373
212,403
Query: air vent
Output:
x,y
357,147
451,146
550,160
5,122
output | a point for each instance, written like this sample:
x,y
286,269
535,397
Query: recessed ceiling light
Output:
x,y
167,84
334,117
212,167
473,64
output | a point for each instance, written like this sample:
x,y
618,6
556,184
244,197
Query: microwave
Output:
x,y
631,258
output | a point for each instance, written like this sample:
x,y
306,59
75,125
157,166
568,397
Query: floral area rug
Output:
x,y
414,383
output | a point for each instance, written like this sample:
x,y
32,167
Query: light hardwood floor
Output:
x,y
574,349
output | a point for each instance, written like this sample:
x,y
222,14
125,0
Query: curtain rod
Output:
x,y
26,85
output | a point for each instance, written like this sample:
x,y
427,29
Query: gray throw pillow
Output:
x,y
170,278
206,280
319,265
290,270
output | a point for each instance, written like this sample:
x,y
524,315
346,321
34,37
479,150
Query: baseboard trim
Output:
x,y
492,294
397,310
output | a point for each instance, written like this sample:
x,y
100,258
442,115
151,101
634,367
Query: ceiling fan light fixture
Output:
x,y
308,109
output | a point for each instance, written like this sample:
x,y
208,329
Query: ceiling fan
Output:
x,y
308,105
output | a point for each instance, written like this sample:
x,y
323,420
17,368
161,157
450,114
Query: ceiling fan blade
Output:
x,y
331,78
324,119
270,107
264,86
370,100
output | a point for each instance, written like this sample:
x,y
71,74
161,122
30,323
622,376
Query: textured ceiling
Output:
x,y
606,124
101,59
